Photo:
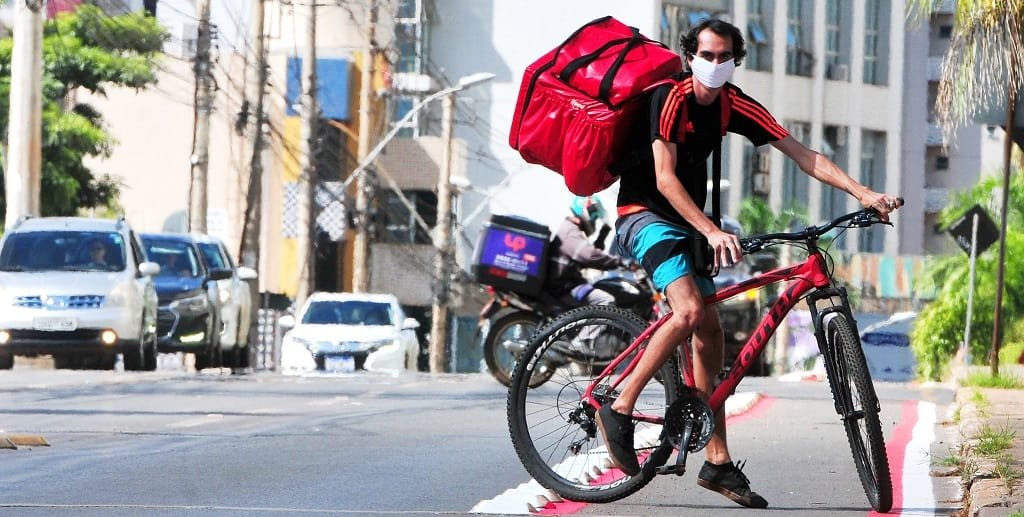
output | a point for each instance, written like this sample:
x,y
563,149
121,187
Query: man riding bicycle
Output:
x,y
663,188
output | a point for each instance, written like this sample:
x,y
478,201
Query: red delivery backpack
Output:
x,y
576,103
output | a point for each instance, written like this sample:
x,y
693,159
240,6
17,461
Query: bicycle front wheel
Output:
x,y
554,431
855,396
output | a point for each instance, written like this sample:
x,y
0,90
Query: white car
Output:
x,y
347,331
233,298
78,289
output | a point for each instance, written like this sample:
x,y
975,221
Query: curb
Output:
x,y
985,494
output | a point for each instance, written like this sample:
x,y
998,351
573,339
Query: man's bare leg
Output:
x,y
709,359
687,311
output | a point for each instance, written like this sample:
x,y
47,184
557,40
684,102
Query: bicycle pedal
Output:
x,y
676,469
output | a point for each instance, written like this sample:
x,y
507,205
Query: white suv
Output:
x,y
78,289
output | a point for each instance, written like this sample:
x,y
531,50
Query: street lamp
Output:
x,y
443,234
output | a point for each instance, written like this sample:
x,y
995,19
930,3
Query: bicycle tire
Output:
x,y
546,421
855,395
518,326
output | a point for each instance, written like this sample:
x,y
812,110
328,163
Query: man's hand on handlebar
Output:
x,y
884,204
727,248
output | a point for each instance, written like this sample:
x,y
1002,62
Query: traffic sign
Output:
x,y
960,230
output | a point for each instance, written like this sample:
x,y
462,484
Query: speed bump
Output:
x,y
12,441
28,440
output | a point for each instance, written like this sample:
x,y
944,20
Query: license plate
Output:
x,y
339,363
55,324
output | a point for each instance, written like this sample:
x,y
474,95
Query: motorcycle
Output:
x,y
509,319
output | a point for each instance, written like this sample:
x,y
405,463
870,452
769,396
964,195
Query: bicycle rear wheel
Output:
x,y
555,433
855,396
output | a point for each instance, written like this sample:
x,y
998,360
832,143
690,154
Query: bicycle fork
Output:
x,y
835,368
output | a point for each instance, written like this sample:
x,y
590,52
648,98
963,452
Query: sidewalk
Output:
x,y
993,482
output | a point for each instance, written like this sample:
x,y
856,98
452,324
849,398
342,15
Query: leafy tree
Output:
x,y
757,217
939,330
90,50
983,65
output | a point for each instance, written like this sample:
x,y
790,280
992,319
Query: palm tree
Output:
x,y
983,66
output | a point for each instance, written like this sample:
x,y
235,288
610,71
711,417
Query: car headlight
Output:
x,y
192,304
289,339
224,293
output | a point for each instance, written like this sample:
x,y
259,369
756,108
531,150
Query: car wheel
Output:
x,y
134,357
6,361
149,353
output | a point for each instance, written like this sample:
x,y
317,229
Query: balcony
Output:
x,y
935,68
934,136
935,199
944,7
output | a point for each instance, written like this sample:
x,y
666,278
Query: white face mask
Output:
x,y
709,74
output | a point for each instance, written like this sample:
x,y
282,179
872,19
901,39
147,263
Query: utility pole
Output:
x,y
997,317
443,242
360,241
255,85
23,170
197,199
307,164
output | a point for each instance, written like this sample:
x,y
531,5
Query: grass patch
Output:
x,y
956,414
1006,472
987,380
953,460
993,441
981,404
968,468
1017,513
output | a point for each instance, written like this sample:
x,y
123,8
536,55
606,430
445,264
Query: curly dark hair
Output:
x,y
688,41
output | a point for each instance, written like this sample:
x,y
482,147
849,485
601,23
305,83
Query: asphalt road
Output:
x,y
177,443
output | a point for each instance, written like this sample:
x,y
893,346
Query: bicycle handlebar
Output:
x,y
861,218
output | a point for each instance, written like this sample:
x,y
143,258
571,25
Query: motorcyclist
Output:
x,y
574,251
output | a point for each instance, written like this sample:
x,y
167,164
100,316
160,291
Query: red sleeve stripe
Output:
x,y
668,112
759,115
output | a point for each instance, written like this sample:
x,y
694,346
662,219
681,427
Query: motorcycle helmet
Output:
x,y
589,210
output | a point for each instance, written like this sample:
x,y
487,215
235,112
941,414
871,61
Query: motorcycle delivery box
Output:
x,y
512,253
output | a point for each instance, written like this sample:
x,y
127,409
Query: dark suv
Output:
x,y
188,318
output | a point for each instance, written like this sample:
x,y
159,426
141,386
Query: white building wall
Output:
x,y
503,37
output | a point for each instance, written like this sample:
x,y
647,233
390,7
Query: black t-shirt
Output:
x,y
695,142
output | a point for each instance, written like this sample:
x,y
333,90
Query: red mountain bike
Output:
x,y
554,430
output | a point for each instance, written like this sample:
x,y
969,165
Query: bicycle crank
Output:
x,y
689,423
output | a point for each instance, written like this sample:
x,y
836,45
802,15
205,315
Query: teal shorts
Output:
x,y
661,247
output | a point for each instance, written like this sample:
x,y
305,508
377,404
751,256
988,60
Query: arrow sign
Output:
x,y
987,231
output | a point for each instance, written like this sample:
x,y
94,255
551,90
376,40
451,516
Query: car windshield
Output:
x,y
176,258
63,251
214,258
348,312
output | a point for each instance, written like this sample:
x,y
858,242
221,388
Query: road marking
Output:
x,y
909,449
531,498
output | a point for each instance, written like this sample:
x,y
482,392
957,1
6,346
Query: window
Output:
x,y
946,31
396,224
799,28
759,37
876,37
941,163
837,30
833,146
872,171
676,20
